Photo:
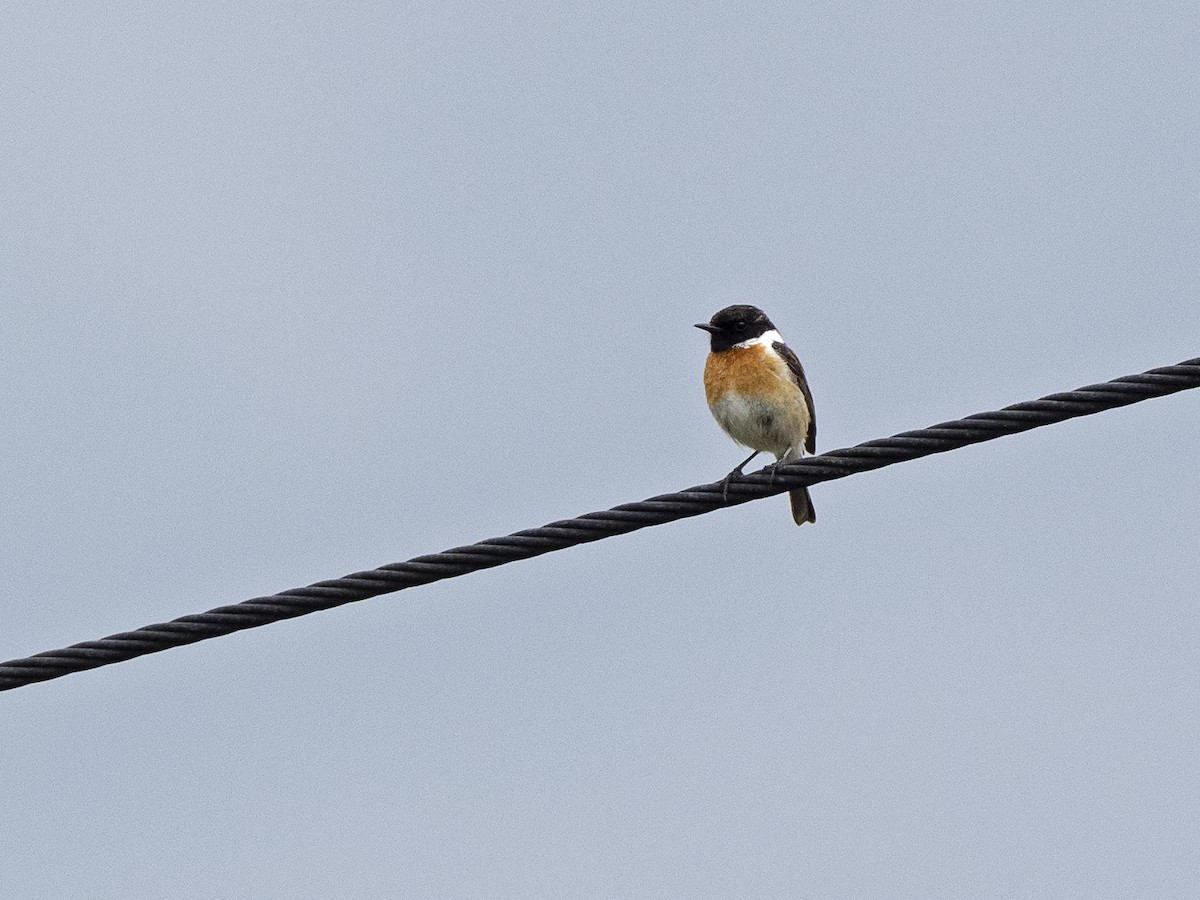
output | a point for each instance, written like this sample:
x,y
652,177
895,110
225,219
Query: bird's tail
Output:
x,y
802,506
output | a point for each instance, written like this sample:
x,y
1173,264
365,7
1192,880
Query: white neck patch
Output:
x,y
766,339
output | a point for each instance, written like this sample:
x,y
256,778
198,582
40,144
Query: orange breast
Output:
x,y
742,370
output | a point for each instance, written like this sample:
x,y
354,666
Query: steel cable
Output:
x,y
595,526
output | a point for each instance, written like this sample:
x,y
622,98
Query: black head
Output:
x,y
735,324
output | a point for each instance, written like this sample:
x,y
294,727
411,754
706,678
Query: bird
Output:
x,y
757,392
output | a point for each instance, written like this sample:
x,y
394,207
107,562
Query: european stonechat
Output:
x,y
757,392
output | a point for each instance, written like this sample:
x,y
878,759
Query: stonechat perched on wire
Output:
x,y
757,392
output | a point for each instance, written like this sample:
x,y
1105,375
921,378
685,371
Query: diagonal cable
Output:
x,y
595,526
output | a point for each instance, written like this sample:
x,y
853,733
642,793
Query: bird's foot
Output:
x,y
736,473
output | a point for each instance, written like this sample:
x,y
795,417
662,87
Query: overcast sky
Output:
x,y
292,290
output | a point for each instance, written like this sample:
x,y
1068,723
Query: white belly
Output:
x,y
773,428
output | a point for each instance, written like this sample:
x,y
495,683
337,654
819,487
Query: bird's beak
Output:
x,y
704,326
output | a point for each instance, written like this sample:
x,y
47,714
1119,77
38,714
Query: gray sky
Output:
x,y
291,290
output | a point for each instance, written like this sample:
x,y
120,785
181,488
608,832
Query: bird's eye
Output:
x,y
741,325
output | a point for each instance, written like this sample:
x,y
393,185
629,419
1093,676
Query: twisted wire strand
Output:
x,y
595,526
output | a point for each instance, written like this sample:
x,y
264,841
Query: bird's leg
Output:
x,y
738,472
780,460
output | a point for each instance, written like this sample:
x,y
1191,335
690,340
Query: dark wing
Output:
x,y
797,370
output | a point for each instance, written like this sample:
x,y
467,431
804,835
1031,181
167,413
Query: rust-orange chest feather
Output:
x,y
752,370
